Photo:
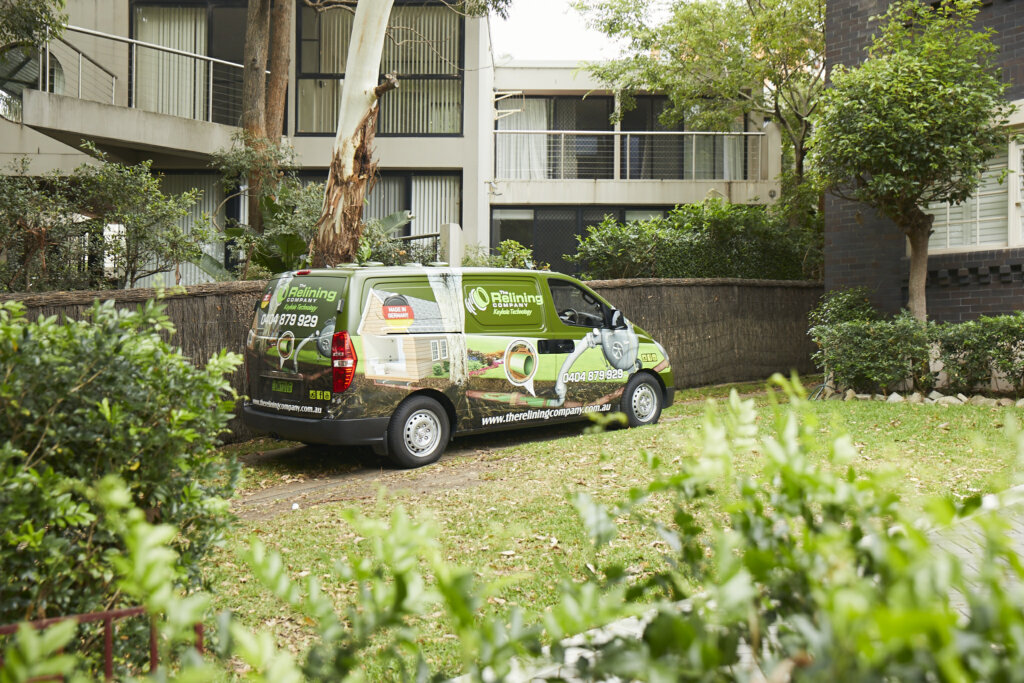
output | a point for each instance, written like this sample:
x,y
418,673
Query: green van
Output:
x,y
403,358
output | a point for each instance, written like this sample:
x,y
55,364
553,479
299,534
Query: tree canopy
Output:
x,y
720,59
915,123
30,21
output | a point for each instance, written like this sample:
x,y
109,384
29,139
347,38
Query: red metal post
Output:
x,y
108,648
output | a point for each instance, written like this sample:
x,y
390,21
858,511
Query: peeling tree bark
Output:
x,y
352,166
254,92
278,62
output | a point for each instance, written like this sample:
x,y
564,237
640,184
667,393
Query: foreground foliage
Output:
x,y
81,400
816,572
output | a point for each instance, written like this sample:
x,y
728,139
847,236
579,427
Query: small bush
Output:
x,y
875,355
711,239
378,243
85,399
842,306
972,352
510,254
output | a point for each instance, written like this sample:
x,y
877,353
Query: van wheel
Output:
x,y
418,432
641,400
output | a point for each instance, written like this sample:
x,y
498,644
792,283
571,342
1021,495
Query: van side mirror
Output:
x,y
618,321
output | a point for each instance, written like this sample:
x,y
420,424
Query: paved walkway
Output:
x,y
964,539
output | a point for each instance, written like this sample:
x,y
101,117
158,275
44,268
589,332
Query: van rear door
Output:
x,y
288,352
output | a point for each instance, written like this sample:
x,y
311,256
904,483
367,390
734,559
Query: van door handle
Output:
x,y
556,346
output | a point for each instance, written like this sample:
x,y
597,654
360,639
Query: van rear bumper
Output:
x,y
369,431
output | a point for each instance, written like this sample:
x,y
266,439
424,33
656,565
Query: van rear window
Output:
x,y
300,303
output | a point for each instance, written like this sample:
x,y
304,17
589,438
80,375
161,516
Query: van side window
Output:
x,y
576,306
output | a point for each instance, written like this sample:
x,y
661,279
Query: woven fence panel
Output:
x,y
722,330
713,330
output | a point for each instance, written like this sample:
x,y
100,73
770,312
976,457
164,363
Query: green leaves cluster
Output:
x,y
105,225
509,254
83,400
31,21
916,121
711,239
718,60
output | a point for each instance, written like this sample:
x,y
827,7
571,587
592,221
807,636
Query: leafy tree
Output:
x,y
31,21
105,225
352,165
720,59
915,123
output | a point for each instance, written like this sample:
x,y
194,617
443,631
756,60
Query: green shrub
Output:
x,y
972,352
1007,335
843,305
875,355
510,254
81,400
711,239
379,243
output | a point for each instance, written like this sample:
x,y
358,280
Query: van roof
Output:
x,y
350,269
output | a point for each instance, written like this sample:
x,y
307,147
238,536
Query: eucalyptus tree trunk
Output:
x,y
278,62
352,167
254,89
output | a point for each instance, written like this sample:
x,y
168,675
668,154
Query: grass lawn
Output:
x,y
515,523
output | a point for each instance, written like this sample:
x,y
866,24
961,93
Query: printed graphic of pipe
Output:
x,y
517,399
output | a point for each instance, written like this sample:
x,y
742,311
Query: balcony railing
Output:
x,y
605,155
160,79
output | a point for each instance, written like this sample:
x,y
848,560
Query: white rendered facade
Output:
x,y
517,150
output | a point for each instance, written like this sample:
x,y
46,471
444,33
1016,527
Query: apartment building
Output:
x,y
976,252
507,150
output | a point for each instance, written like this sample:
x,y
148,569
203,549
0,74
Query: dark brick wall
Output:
x,y
865,249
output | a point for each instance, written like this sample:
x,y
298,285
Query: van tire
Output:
x,y
418,432
642,400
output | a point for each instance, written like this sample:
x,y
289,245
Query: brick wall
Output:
x,y
865,249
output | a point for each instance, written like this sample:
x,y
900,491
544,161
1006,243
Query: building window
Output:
x,y
179,85
551,231
587,147
425,51
439,349
569,155
981,221
434,198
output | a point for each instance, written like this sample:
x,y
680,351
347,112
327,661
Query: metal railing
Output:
x,y
621,155
108,618
160,79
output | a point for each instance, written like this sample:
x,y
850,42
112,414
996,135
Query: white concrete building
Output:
x,y
521,151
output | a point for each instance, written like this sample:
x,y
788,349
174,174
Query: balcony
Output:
x,y
605,167
126,95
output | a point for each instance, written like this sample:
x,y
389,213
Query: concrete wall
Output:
x,y
863,248
713,330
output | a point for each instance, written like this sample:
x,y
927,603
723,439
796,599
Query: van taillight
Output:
x,y
343,361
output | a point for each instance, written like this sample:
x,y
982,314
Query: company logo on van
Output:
x,y
501,301
303,292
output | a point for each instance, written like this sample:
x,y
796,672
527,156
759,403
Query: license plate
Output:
x,y
281,385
